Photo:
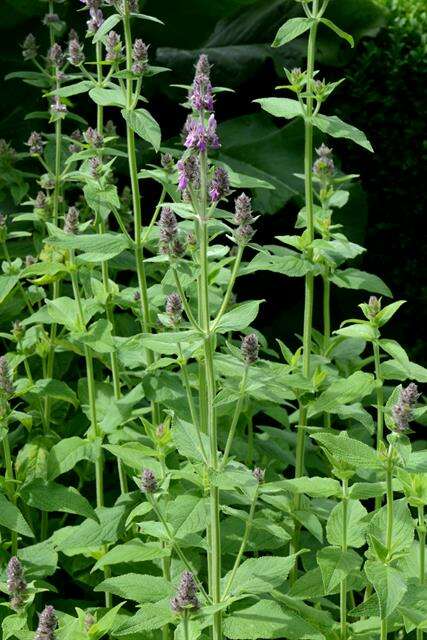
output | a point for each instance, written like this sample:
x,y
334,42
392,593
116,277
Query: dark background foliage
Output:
x,y
384,94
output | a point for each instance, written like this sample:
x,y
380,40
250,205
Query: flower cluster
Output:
x,y
76,57
249,348
220,185
35,143
243,218
94,138
71,221
29,47
174,308
188,173
16,584
47,624
170,243
113,47
186,596
324,167
402,411
148,481
201,136
6,384
140,57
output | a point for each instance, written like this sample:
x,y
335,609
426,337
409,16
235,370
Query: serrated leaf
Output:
x,y
315,487
67,453
389,584
12,518
150,616
336,564
260,575
344,391
356,528
134,586
355,279
348,450
403,526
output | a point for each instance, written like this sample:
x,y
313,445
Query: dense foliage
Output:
x,y
168,471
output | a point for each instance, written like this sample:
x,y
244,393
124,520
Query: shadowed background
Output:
x,y
384,94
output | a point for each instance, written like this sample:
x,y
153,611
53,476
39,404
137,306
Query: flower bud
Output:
x,y
243,210
94,138
203,67
50,18
16,584
47,624
140,57
55,55
324,166
57,108
18,330
258,474
148,481
113,47
6,384
174,308
249,348
30,260
185,598
244,234
374,306
29,47
71,223
76,56
167,161
95,165
35,143
188,173
220,185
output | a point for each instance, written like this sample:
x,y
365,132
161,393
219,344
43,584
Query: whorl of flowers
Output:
x,y
148,481
35,143
188,173
95,165
220,185
6,384
201,96
174,307
249,348
96,19
47,624
324,166
402,411
113,47
140,57
94,138
16,584
201,137
186,596
168,226
259,474
71,221
243,217
57,108
76,56
55,55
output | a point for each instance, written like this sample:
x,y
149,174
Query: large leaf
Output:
x,y
356,527
348,450
51,496
260,575
240,317
344,391
335,127
291,30
336,564
389,584
12,518
134,586
281,107
355,279
67,453
141,121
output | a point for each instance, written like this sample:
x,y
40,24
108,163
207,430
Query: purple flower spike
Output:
x,y
201,95
47,624
186,598
220,185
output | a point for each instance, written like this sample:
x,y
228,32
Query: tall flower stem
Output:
x,y
309,278
380,396
9,477
343,584
421,528
209,415
389,526
236,416
109,312
136,202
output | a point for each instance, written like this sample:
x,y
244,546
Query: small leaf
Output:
x,y
108,97
240,317
106,27
291,30
388,312
333,126
281,107
338,31
143,123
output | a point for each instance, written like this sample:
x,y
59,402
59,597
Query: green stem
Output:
x,y
383,629
326,309
9,477
236,416
244,542
230,286
190,401
136,201
380,396
343,585
309,279
184,300
389,493
185,621
422,554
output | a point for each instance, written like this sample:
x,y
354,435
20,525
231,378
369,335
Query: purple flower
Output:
x,y
249,348
40,201
244,234
258,474
71,221
167,161
402,411
47,624
201,96
55,55
411,394
30,260
140,57
203,67
324,166
96,20
220,185
174,308
76,56
148,481
188,173
16,584
186,597
94,138
95,165
113,47
57,108
201,137
76,136
243,210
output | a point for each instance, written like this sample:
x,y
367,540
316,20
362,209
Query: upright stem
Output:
x,y
389,528
343,585
309,279
236,417
136,202
9,477
380,396
209,416
422,554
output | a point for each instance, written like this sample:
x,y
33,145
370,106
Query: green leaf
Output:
x,y
97,247
389,584
344,391
143,123
266,619
336,564
338,31
133,454
105,623
240,317
356,279
315,487
167,342
394,349
132,551
187,442
72,89
12,518
12,625
363,331
7,284
67,453
106,27
356,528
403,526
347,450
150,616
388,312
291,265
134,586
102,200
50,496
108,97
56,389
333,126
260,575
292,29
281,107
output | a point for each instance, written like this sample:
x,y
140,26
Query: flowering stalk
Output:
x,y
309,278
131,101
389,526
343,584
